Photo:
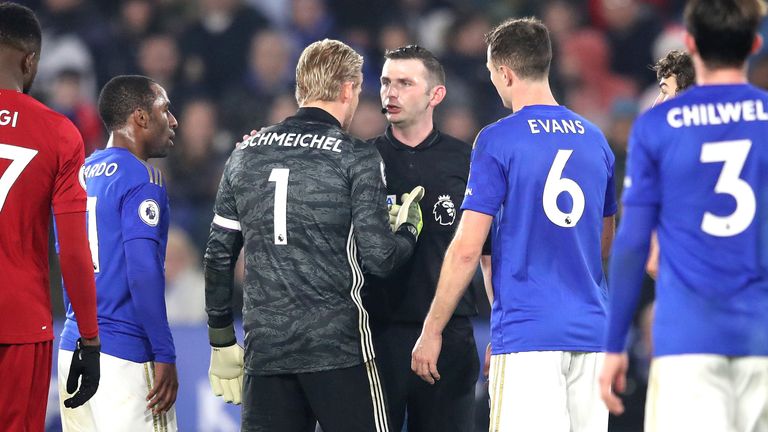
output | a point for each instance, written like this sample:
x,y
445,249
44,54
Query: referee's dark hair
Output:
x,y
430,62
522,45
123,95
724,30
19,28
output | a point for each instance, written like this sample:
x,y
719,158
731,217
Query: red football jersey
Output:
x,y
41,153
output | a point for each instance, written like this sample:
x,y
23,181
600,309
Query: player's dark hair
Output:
x,y
523,45
121,96
430,62
724,30
19,28
679,64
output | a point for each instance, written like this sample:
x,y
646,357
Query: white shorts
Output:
x,y
706,392
120,402
553,391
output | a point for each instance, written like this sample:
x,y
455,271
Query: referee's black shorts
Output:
x,y
341,400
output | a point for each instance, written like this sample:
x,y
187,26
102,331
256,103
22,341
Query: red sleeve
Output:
x,y
77,270
68,194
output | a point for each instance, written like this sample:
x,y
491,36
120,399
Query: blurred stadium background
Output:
x,y
228,66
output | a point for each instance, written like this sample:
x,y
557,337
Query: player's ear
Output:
x,y
28,63
140,117
347,91
438,94
757,43
507,75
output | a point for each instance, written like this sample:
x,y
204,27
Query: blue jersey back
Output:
x,y
702,158
126,200
546,175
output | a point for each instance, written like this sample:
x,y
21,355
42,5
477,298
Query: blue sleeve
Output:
x,y
487,183
141,212
641,185
627,270
610,207
146,281
143,234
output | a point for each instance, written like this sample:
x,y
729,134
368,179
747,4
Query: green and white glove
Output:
x,y
410,211
226,370
394,209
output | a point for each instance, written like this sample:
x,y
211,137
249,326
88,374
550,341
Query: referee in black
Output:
x,y
416,153
307,202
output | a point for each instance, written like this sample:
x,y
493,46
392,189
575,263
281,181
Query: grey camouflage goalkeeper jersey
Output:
x,y
307,202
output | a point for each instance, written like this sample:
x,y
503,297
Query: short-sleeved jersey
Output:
x,y
702,158
310,203
126,200
40,155
546,175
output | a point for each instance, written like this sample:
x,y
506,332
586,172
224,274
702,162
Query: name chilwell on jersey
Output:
x,y
319,142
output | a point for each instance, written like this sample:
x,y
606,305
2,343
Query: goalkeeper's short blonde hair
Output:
x,y
323,67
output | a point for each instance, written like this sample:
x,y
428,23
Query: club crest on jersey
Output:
x,y
149,212
444,210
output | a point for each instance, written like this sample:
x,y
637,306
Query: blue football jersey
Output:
x,y
546,175
702,159
127,200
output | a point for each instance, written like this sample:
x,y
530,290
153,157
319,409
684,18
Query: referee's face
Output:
x,y
404,91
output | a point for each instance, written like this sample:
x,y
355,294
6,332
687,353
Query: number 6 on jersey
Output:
x,y
554,186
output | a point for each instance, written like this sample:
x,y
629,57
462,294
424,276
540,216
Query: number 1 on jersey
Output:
x,y
280,177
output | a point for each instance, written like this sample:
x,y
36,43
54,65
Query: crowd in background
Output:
x,y
228,66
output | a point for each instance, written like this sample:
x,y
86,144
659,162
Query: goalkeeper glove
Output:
x,y
394,209
410,211
85,363
226,370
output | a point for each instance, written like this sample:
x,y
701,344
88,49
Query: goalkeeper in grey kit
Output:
x,y
308,203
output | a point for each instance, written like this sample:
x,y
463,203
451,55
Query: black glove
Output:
x,y
85,363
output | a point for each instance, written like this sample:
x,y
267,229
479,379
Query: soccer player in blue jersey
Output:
x,y
128,229
541,180
698,173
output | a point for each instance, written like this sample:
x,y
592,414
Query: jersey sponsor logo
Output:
x,y
717,114
468,192
149,212
444,210
8,118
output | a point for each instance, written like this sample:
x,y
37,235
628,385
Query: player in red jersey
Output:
x,y
41,153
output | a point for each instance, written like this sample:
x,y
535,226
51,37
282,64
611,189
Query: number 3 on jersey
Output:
x,y
733,154
555,185
280,177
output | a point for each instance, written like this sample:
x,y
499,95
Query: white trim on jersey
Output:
x,y
358,280
226,223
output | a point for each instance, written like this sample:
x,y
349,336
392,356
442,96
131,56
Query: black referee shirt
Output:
x,y
441,164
